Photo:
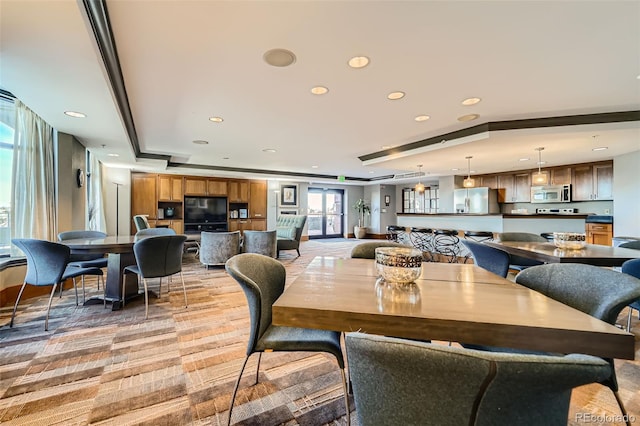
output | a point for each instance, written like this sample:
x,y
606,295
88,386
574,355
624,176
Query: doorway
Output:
x,y
325,215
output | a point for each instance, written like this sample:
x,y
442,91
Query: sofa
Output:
x,y
289,232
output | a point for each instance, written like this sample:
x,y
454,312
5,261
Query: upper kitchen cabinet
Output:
x,y
560,176
238,191
169,188
490,181
143,195
592,182
514,188
204,186
258,204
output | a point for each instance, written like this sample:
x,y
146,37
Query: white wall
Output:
x,y
626,195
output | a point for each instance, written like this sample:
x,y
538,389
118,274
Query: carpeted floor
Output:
x,y
95,366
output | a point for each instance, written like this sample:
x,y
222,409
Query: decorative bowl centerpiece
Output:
x,y
398,264
569,240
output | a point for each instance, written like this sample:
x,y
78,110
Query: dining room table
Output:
x,y
119,251
591,254
447,302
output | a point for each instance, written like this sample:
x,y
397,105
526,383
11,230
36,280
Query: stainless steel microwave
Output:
x,y
551,194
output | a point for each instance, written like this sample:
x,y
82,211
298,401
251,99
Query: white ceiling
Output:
x,y
185,61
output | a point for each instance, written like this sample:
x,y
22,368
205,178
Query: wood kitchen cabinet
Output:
x,y
204,186
490,181
592,182
258,203
143,195
560,176
176,225
599,233
238,191
514,188
170,188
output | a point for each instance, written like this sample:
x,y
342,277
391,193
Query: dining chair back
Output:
x,y
157,257
262,280
489,258
218,247
155,231
599,292
406,382
519,263
632,267
141,222
261,242
368,250
631,245
47,264
96,260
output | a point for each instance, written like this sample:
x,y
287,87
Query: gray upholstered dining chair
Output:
x,y
47,264
262,279
157,257
405,382
519,263
96,260
368,250
632,267
599,292
141,222
260,242
155,231
218,247
489,258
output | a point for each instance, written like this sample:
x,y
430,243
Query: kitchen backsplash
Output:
x,y
596,207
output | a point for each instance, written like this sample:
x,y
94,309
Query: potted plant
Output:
x,y
363,209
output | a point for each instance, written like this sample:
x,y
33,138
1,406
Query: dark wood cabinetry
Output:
x,y
592,182
599,233
514,188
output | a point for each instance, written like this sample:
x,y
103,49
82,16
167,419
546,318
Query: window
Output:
x,y
420,202
7,117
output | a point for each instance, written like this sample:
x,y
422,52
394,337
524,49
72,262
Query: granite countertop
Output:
x,y
596,218
507,215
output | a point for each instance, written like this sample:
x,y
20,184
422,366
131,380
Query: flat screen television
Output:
x,y
205,209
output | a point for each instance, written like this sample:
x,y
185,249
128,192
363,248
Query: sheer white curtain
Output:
x,y
97,219
33,189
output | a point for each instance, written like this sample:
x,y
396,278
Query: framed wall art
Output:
x,y
289,195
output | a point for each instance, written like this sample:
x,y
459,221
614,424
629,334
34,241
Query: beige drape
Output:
x,y
33,189
96,215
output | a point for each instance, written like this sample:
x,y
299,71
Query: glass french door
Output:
x,y
325,213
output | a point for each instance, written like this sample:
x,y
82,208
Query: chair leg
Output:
x,y
184,290
46,319
346,395
75,288
146,299
258,367
629,319
15,307
160,288
83,295
104,291
622,409
298,252
235,389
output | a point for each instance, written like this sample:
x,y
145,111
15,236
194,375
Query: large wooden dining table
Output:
x,y
119,250
591,254
450,302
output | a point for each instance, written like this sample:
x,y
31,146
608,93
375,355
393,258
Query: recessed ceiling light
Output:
x,y
524,159
269,150
319,90
372,172
225,158
468,117
113,155
600,148
471,101
358,62
455,169
279,57
541,163
394,96
75,114
216,119
314,167
422,118
201,142
386,147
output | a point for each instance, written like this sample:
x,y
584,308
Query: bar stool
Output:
x,y
447,243
397,234
422,238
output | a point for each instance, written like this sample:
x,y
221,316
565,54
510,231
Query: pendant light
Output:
x,y
540,178
419,186
468,182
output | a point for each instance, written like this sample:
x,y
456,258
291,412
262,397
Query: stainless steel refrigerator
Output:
x,y
476,200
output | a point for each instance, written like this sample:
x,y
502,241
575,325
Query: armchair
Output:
x,y
289,232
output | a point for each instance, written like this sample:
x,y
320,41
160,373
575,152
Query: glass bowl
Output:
x,y
398,264
569,240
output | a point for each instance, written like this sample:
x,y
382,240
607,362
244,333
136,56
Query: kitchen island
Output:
x,y
498,222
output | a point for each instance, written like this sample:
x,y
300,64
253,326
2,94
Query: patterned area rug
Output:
x,y
95,366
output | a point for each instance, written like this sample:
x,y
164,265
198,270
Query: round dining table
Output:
x,y
119,251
